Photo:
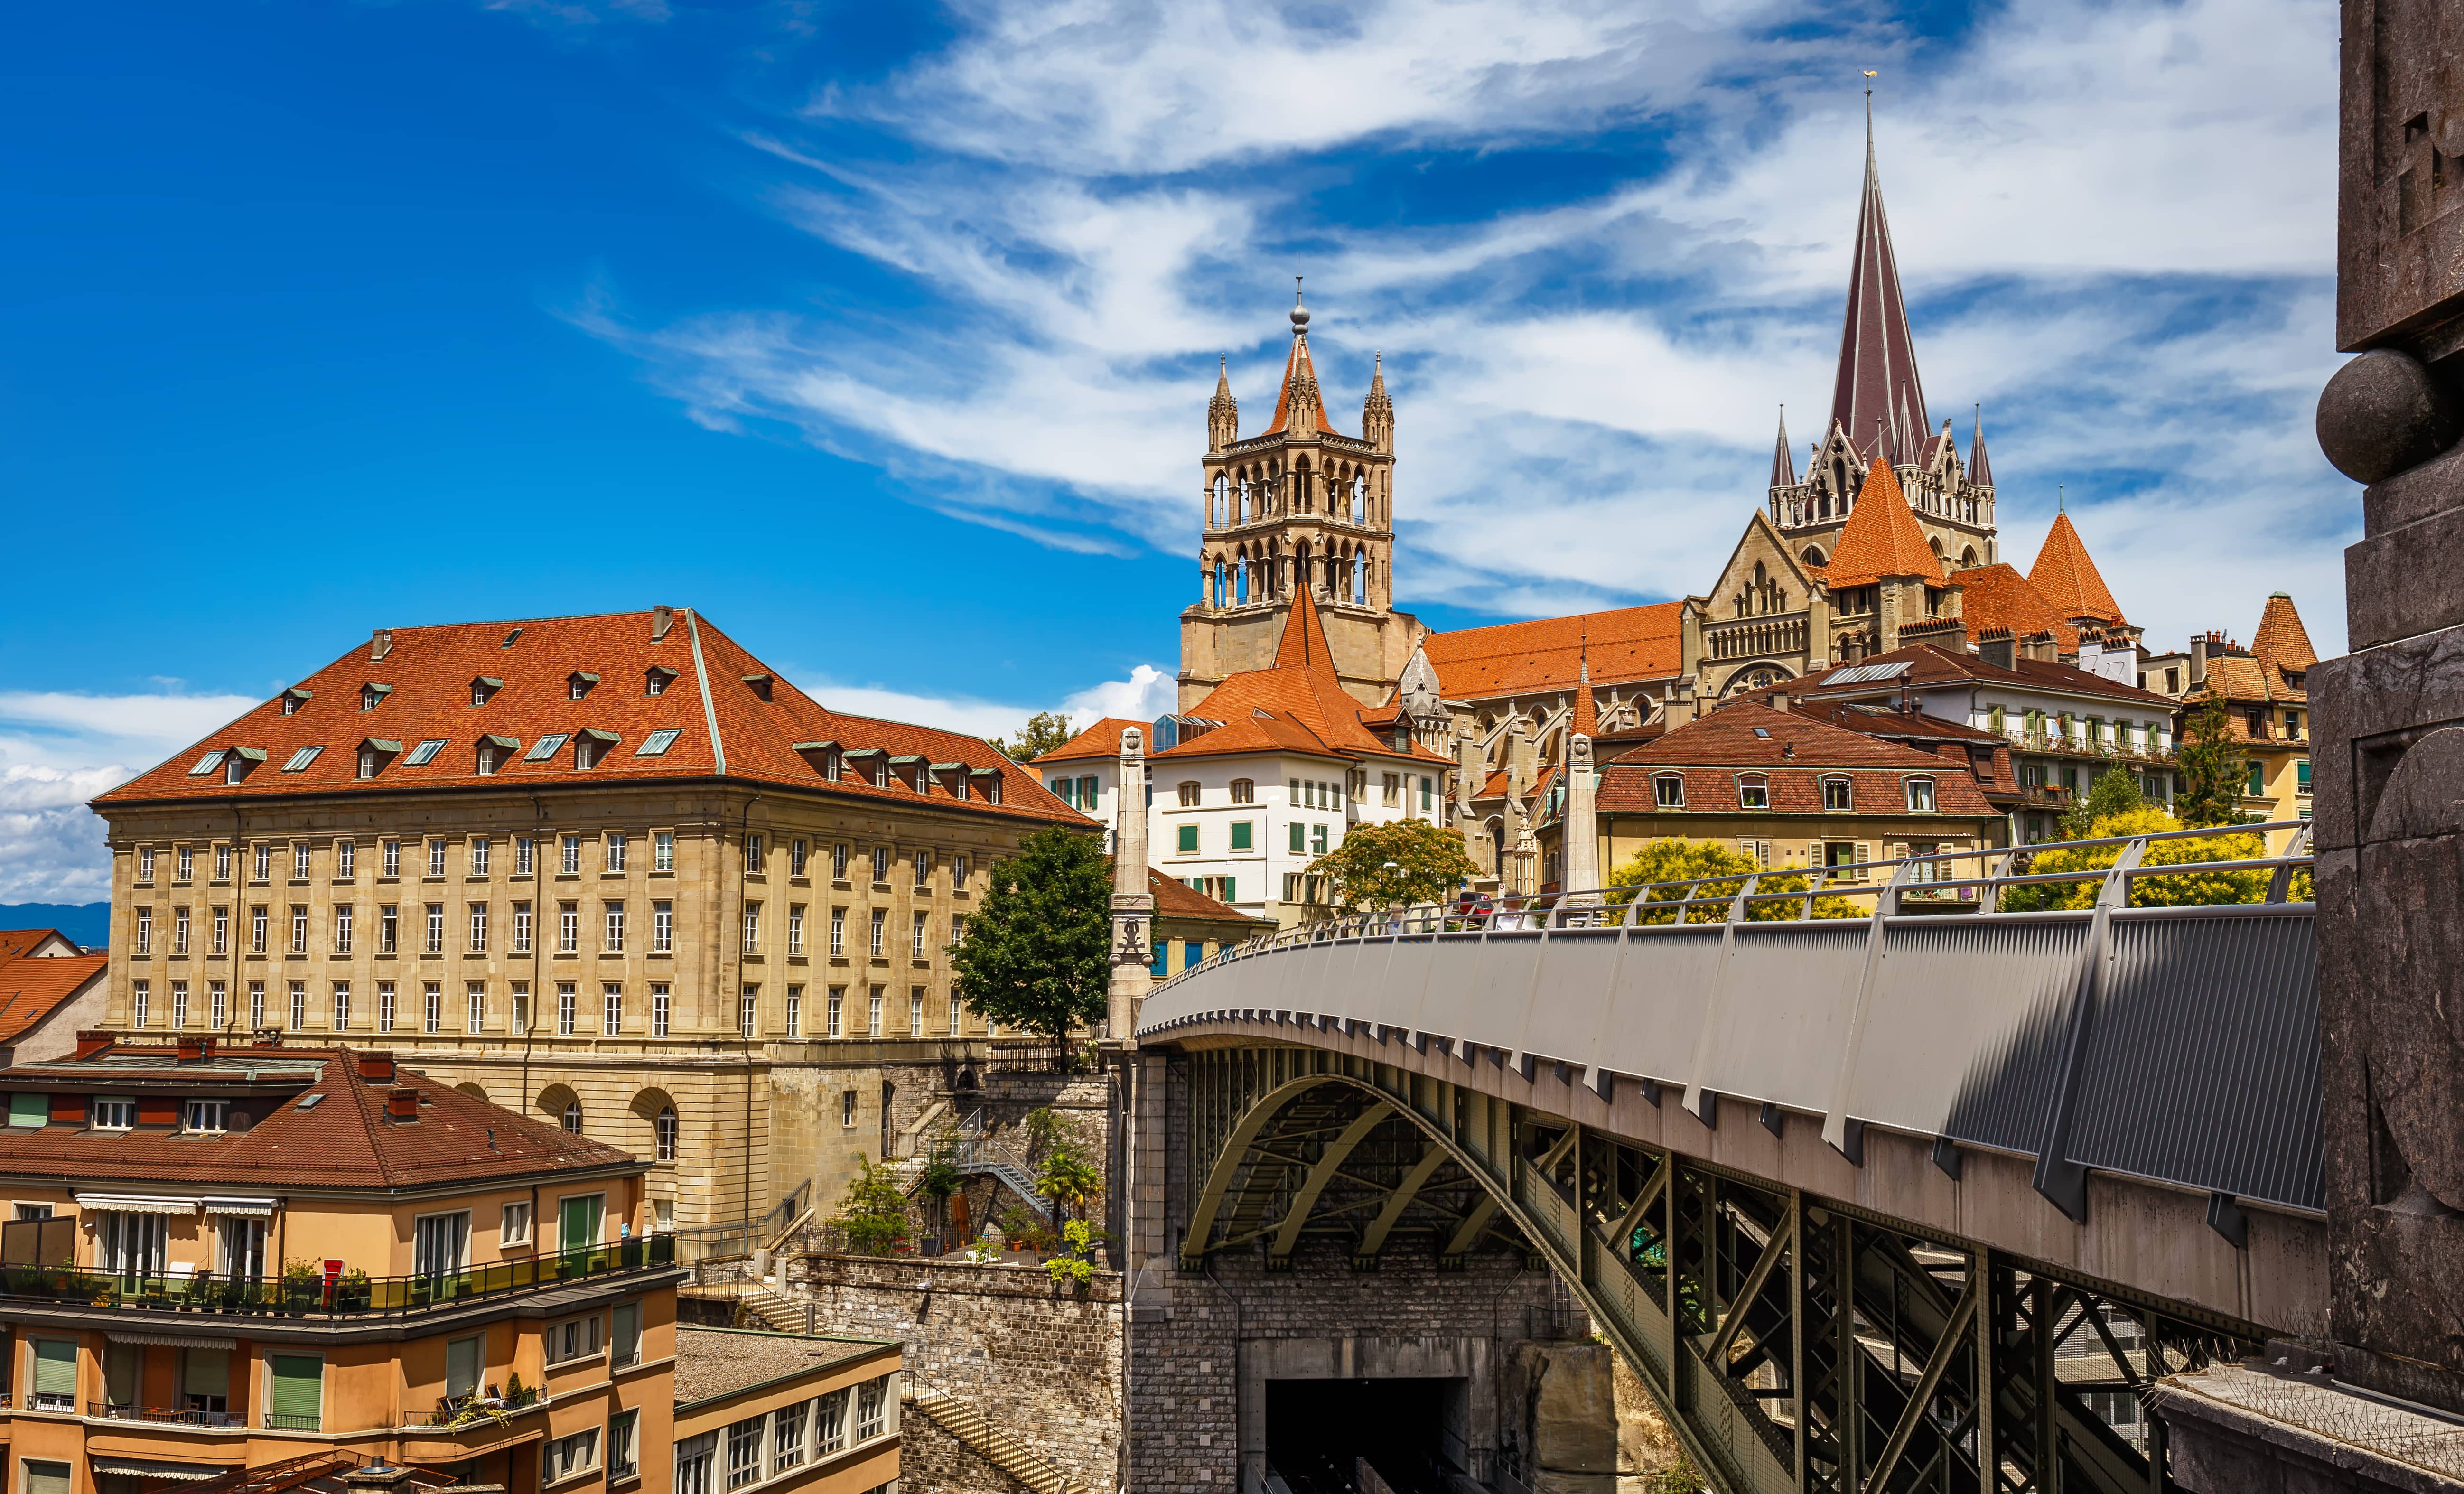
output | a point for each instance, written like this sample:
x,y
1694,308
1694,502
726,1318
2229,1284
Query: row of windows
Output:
x,y
1082,793
2085,730
880,769
614,856
773,1444
612,923
921,862
1753,791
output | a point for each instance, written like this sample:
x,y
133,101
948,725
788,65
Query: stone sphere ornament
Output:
x,y
2383,413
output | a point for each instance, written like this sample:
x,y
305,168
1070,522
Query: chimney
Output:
x,y
1997,647
662,618
377,1068
2198,661
195,1047
381,643
402,1104
93,1042
1781,701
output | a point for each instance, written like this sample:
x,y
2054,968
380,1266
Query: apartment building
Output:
x,y
610,871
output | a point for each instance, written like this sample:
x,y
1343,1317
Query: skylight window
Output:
x,y
208,763
657,743
1763,733
302,759
547,746
424,752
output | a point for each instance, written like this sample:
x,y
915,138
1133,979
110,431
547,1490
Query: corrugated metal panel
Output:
x,y
2202,1063
1783,1011
1447,1003
1961,1035
1657,1010
1567,1007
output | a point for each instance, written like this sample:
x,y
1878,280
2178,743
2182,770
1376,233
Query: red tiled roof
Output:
x,y
2068,580
1174,900
1103,739
1298,705
1882,537
344,1141
33,987
14,942
1788,747
1297,365
715,682
1931,665
2281,640
1547,653
1799,791
1998,596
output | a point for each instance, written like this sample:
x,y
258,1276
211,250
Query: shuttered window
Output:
x,y
55,1373
296,1402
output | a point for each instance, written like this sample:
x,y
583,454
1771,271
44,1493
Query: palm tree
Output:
x,y
1069,1181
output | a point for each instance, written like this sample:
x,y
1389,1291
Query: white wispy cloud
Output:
x,y
2115,222
1147,691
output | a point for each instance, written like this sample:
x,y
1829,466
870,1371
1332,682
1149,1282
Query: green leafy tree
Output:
x,y
1388,865
873,1214
1076,1261
940,1178
2189,889
1673,859
2115,792
1043,731
2214,772
1068,1180
1038,948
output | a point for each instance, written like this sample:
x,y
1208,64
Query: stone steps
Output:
x,y
775,1311
996,1446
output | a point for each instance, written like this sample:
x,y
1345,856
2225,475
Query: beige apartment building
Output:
x,y
610,871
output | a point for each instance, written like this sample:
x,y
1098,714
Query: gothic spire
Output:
x,y
1783,464
1377,411
1876,351
1299,399
1980,471
1587,720
1223,411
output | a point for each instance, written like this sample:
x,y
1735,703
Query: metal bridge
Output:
x,y
1885,1179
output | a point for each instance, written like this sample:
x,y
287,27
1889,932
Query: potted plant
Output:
x,y
303,1284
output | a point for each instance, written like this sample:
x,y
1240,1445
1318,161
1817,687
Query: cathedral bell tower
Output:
x,y
1299,504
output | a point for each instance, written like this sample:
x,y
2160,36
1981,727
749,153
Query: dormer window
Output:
x,y
872,765
759,684
577,685
822,757
1919,796
1836,794
484,687
657,680
1753,791
373,754
372,697
1668,791
589,746
294,698
495,751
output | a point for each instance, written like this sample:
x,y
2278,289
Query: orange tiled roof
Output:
x,y
1174,900
14,942
31,988
1103,739
344,1141
2068,580
1547,653
2281,640
1998,596
1882,537
1296,366
1298,705
711,697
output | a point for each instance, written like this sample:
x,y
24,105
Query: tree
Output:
x,y
1388,865
2115,792
2190,890
1068,1180
941,1179
1037,951
1043,731
1684,861
2214,772
873,1214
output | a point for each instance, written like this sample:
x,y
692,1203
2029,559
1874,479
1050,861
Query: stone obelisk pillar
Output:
x,y
1132,903
2385,742
1580,827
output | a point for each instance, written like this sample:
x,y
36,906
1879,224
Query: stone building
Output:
x,y
2264,689
610,871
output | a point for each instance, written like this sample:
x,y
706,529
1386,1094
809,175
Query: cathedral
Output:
x,y
1885,538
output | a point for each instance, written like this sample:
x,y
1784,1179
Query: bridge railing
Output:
x,y
1899,884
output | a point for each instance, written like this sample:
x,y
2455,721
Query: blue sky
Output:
x,y
883,333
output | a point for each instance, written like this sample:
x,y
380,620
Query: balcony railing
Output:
x,y
350,1296
2080,746
172,1415
293,1421
1752,637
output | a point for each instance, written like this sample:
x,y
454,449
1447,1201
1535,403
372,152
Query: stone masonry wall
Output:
x,y
931,1461
1041,1363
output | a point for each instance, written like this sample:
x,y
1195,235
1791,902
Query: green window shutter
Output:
x,y
1300,839
298,1389
2258,778
1240,842
580,1222
1156,966
1229,895
46,1478
1187,839
462,1364
56,1366
2302,775
29,1110
628,1332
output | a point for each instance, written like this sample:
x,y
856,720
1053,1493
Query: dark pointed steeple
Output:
x,y
1783,464
1877,354
1980,471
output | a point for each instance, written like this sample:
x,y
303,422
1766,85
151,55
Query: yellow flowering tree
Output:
x,y
2190,889
1673,859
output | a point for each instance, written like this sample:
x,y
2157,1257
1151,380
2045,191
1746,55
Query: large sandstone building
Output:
x,y
609,872
1884,538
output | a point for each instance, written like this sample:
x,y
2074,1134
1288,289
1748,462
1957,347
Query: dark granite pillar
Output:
x,y
2387,718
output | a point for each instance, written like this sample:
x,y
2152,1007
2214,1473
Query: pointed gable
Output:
x,y
1997,596
1303,645
2281,640
1877,393
1300,386
1882,537
1783,464
1980,471
2068,580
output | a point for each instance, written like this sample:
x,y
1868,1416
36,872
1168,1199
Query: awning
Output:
x,y
171,1340
134,1203
242,1208
147,1468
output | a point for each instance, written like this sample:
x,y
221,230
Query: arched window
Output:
x,y
1189,794
664,1126
571,1119
1243,791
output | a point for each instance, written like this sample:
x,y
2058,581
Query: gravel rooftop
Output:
x,y
713,1362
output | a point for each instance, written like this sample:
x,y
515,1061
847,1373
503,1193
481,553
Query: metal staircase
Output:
x,y
980,1153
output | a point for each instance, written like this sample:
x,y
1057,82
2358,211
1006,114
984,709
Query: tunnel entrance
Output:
x,y
1411,1430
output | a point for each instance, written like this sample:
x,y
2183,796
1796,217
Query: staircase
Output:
x,y
1001,1449
771,1309
978,1152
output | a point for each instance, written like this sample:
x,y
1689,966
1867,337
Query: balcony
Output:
x,y
1755,637
2056,744
170,1416
348,1298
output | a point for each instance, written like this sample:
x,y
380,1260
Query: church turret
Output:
x,y
1222,412
1783,464
1377,411
1980,471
